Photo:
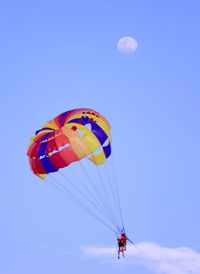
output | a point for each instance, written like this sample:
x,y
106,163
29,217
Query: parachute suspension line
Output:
x,y
111,171
103,192
77,201
56,184
99,195
117,189
94,186
84,196
95,200
107,197
88,199
114,192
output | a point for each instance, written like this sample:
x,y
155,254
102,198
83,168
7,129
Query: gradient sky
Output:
x,y
60,55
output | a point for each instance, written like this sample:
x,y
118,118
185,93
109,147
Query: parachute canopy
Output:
x,y
69,137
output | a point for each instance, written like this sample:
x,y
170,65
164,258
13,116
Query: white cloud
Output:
x,y
162,260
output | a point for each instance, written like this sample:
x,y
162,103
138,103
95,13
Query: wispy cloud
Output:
x,y
163,260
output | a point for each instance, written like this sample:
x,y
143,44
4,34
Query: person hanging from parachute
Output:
x,y
122,241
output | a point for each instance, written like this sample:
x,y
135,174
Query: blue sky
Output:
x,y
60,55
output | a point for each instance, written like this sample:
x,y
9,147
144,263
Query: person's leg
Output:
x,y
118,253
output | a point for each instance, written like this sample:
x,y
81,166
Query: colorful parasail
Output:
x,y
69,137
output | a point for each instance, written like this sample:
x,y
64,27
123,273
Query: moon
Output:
x,y
127,44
